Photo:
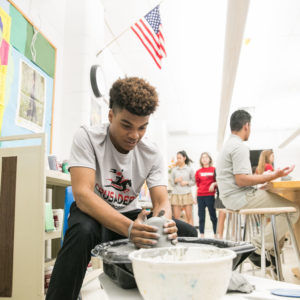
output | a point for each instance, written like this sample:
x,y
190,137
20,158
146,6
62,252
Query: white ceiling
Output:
x,y
268,75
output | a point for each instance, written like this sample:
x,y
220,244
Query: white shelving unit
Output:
x,y
29,236
55,178
56,234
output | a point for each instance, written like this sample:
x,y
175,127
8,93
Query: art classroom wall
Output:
x,y
27,72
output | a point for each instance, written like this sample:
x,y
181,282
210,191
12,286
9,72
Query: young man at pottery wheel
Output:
x,y
109,164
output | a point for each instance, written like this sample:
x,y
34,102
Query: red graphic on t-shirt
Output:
x,y
120,183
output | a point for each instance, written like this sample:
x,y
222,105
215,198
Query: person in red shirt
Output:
x,y
265,162
206,184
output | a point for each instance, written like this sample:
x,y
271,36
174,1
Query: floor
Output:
x,y
93,291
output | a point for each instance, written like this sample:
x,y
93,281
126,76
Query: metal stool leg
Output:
x,y
293,238
276,249
233,229
263,252
257,221
236,226
239,225
245,227
244,237
251,226
228,216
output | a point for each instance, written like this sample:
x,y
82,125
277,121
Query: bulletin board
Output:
x,y
27,77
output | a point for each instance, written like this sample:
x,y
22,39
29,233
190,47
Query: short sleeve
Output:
x,y
241,160
82,151
158,173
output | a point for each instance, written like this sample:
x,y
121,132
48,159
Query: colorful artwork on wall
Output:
x,y
27,76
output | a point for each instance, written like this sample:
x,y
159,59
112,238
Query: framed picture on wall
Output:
x,y
31,106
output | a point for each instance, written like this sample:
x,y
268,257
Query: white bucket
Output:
x,y
182,273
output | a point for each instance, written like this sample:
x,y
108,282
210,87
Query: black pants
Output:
x,y
83,234
209,202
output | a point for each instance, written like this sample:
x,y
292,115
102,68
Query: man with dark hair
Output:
x,y
109,164
238,119
236,182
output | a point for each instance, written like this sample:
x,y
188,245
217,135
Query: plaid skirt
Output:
x,y
181,199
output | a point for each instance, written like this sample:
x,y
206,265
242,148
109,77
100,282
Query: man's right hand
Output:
x,y
283,172
142,235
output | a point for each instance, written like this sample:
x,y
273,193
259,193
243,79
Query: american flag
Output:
x,y
148,30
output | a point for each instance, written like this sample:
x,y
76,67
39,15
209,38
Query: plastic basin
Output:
x,y
182,273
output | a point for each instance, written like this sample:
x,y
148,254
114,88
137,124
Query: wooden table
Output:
x,y
291,191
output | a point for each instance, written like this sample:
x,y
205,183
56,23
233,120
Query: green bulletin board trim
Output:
x,y
18,33
22,33
45,53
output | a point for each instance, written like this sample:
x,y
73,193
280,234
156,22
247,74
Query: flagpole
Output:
x,y
117,37
113,40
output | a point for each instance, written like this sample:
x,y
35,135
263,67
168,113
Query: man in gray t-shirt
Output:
x,y
108,166
236,183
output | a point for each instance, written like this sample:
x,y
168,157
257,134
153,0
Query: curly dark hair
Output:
x,y
135,95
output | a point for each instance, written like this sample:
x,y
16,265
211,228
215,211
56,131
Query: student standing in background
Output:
x,y
206,183
182,179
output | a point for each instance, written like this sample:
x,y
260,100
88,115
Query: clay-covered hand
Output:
x,y
142,235
170,229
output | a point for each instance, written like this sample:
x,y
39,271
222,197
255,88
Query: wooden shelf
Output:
x,y
56,234
56,178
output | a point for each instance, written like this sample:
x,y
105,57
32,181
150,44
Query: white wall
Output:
x,y
76,29
84,34
194,145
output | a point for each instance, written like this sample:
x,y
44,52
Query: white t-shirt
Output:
x,y
119,177
233,159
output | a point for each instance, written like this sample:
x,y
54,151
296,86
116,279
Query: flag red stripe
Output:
x,y
148,40
162,46
146,47
150,33
161,35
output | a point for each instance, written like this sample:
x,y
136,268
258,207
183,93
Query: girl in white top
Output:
x,y
183,178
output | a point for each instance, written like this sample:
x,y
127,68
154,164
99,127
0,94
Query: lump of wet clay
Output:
x,y
159,222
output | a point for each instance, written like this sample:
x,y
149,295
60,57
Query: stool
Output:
x,y
234,217
273,212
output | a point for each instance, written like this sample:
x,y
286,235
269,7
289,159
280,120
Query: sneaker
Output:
x,y
256,258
